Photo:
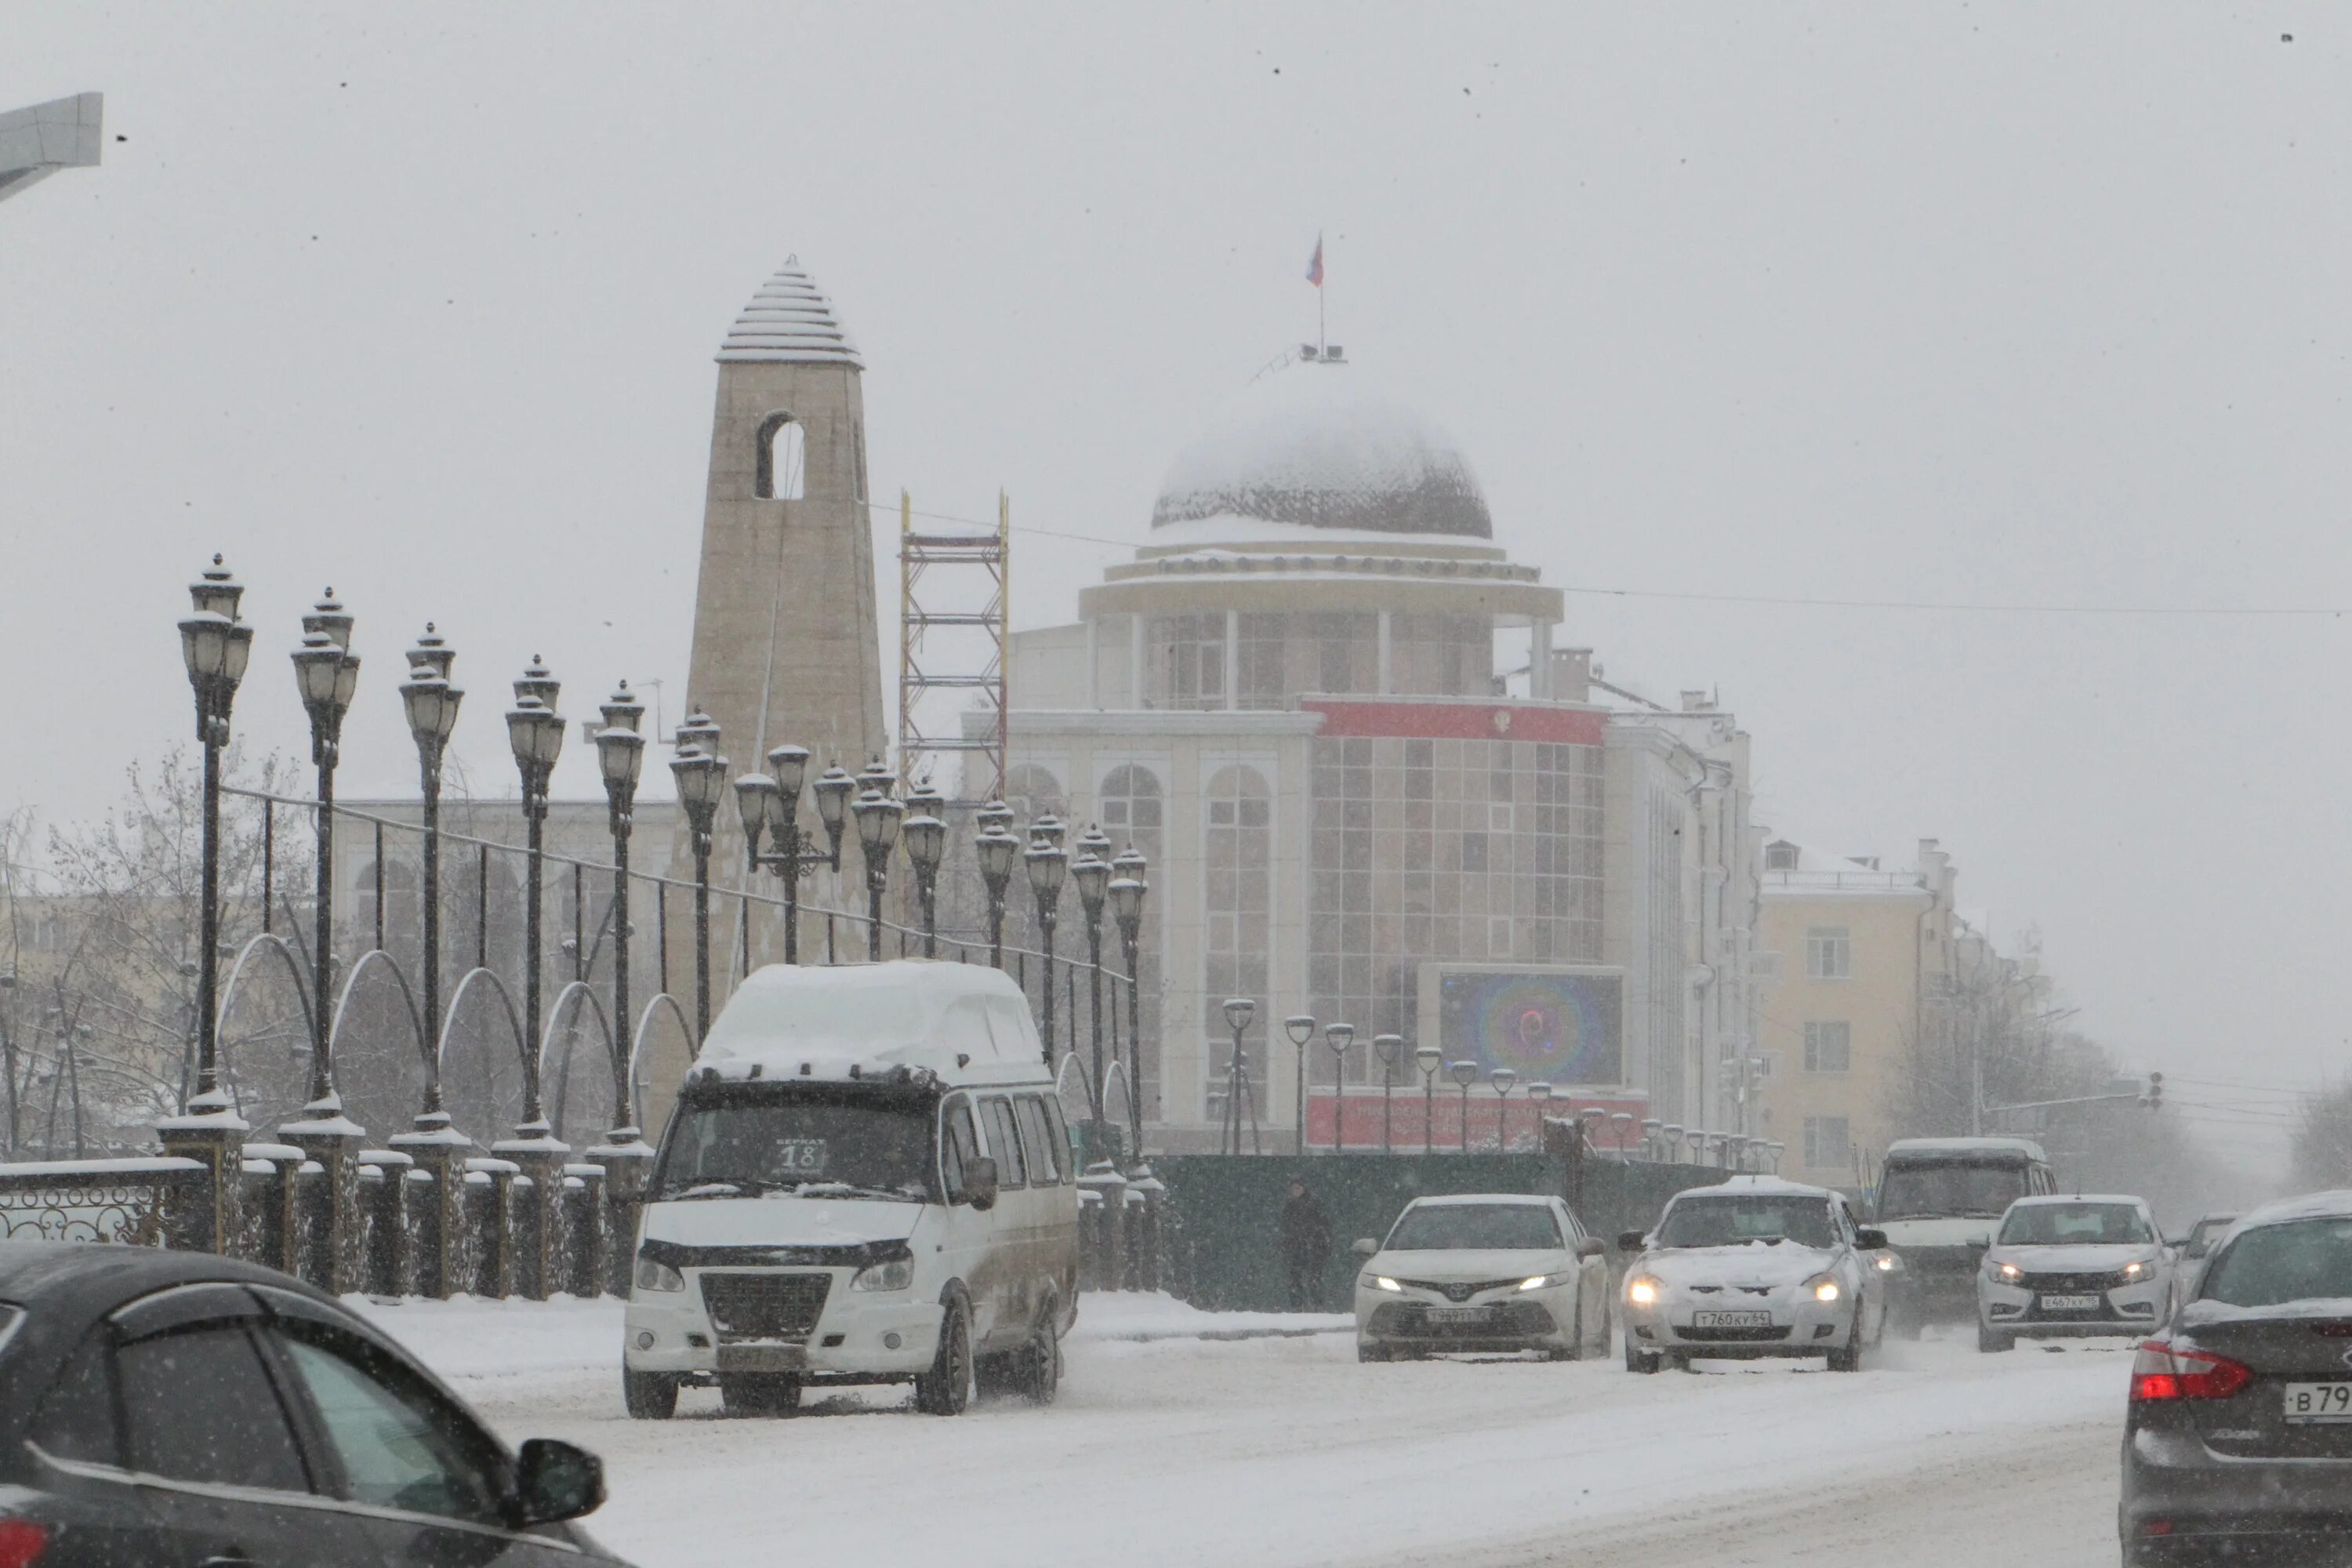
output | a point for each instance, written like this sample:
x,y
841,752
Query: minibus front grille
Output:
x,y
764,1306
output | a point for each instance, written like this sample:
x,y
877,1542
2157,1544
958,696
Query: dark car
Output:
x,y
2239,1436
184,1411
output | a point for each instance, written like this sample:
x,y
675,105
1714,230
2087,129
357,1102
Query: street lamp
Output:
x,y
1465,1073
701,777
431,704
215,645
327,674
758,802
1670,1138
1588,1119
1091,872
1339,1037
1623,1122
1502,1079
1650,1125
925,835
621,758
1048,865
1539,1092
788,765
1428,1058
1389,1049
1300,1027
1239,1011
1127,889
535,735
996,849
879,816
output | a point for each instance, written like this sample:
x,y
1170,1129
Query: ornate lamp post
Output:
x,y
1650,1125
621,758
996,849
1091,872
1300,1027
1540,1093
1465,1073
1239,1011
1389,1049
1502,1079
215,645
1127,889
1622,1122
1048,864
1428,1058
925,835
431,705
1670,1138
535,735
327,673
758,801
1339,1037
878,833
701,777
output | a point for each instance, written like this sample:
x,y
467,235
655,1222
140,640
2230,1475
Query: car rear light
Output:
x,y
2162,1371
22,1541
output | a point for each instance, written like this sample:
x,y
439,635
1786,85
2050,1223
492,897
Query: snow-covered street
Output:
x,y
1185,1443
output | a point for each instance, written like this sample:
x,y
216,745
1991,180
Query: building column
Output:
x,y
1539,685
1387,659
1094,661
1233,659
1135,686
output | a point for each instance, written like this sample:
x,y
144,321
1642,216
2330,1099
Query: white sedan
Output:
x,y
2065,1266
1485,1271
1756,1266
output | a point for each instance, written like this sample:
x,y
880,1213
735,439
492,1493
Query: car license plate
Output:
x,y
2319,1402
1457,1314
2069,1303
1731,1320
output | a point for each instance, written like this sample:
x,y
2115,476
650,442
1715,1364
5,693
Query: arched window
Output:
x,y
1132,804
782,459
1237,854
1033,791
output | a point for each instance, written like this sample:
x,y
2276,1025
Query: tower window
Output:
x,y
781,466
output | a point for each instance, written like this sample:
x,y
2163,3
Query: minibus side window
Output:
x,y
958,1145
1066,1156
1004,1143
1037,1141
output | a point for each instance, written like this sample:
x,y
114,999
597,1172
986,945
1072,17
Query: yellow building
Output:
x,y
1858,950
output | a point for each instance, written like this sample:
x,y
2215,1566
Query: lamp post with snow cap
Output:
x,y
996,849
788,765
215,645
1091,872
327,674
1539,1096
757,802
701,775
1339,1037
620,759
879,816
1048,865
535,735
1239,1011
430,703
1127,890
1389,1049
1622,1122
1428,1058
1300,1027
1502,1079
925,835
1465,1073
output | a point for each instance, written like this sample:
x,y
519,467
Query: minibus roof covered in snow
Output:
x,y
961,1022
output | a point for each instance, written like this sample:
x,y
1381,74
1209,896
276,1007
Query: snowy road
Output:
x,y
1188,1450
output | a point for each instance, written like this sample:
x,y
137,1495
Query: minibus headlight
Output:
x,y
896,1275
653,1276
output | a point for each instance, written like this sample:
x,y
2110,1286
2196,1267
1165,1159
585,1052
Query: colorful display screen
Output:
x,y
1562,1027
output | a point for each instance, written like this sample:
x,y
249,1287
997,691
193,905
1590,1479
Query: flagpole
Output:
x,y
1322,338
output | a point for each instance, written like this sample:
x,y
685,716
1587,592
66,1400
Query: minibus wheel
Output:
x,y
1039,1364
945,1388
650,1395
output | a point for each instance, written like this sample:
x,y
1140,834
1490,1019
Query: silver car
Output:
x,y
1757,1266
2060,1267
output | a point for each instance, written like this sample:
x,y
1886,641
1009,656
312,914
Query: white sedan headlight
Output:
x,y
2007,1273
1644,1292
2133,1270
1379,1282
1821,1288
1545,1281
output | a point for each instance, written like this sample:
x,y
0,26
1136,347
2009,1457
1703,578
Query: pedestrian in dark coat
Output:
x,y
1305,1245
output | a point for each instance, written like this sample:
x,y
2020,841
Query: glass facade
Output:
x,y
1444,850
1275,655
1237,854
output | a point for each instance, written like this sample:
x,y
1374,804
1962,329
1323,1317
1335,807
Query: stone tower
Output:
x,y
785,646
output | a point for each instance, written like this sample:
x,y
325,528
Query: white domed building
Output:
x,y
1289,700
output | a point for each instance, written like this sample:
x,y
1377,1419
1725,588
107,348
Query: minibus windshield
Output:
x,y
812,1145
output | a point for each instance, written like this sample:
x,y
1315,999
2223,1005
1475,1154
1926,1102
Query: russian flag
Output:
x,y
1315,266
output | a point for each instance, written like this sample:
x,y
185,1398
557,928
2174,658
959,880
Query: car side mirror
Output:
x,y
2194,1250
1590,1248
1870,1238
1630,1240
980,1183
1365,1246
554,1481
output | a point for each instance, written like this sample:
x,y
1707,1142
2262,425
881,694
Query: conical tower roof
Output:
x,y
790,319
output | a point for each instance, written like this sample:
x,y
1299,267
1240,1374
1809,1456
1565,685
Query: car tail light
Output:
x,y
2162,1371
22,1541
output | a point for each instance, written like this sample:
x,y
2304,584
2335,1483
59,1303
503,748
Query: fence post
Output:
x,y
443,1262
538,1269
206,1216
1146,1248
334,1253
628,1171
383,1198
583,1228
1103,1180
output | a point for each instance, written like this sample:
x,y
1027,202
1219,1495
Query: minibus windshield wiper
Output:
x,y
851,1190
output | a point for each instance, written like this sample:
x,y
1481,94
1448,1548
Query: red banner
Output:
x,y
1405,1120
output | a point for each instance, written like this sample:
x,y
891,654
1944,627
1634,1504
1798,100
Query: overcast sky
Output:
x,y
1971,305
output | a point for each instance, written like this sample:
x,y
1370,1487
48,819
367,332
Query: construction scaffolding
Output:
x,y
952,644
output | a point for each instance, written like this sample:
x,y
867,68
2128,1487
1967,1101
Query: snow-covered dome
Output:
x,y
790,320
1316,444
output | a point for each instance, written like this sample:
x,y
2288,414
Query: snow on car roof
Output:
x,y
2044,1200
2025,1146
967,1023
2310,1206
1754,1186
1434,1199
